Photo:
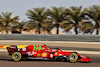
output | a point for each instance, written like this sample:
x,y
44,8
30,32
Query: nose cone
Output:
x,y
85,59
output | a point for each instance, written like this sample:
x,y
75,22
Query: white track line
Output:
x,y
3,50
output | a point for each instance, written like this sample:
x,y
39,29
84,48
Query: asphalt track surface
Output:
x,y
51,37
6,61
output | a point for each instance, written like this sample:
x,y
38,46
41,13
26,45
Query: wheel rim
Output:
x,y
16,56
73,57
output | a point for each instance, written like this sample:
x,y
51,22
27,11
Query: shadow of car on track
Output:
x,y
39,60
31,60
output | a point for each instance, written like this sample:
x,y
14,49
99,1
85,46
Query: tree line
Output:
x,y
80,20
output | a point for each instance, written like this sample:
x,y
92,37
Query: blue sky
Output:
x,y
20,7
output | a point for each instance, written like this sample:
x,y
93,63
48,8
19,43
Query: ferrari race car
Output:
x,y
42,52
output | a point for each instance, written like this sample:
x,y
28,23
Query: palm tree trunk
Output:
x,y
20,31
76,31
57,29
97,31
97,28
39,28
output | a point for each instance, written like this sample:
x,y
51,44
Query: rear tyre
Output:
x,y
73,57
16,56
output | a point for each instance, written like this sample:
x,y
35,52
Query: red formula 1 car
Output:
x,y
42,52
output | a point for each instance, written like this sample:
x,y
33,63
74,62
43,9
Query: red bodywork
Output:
x,y
43,52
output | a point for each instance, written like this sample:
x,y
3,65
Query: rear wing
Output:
x,y
11,49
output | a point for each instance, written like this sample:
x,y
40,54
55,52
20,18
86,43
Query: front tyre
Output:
x,y
73,57
16,56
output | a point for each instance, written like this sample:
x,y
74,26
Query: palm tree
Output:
x,y
58,15
94,13
29,25
67,26
75,16
19,26
7,21
39,15
47,25
87,27
1,25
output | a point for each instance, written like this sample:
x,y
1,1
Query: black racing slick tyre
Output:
x,y
73,57
16,56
